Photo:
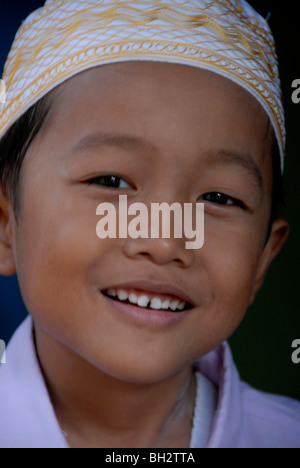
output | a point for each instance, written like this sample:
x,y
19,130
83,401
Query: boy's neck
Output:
x,y
97,410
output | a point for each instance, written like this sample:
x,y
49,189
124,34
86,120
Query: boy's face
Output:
x,y
176,134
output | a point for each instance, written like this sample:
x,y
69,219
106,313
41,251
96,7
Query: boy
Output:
x,y
125,346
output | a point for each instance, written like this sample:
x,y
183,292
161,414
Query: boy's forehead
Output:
x,y
59,41
135,80
218,120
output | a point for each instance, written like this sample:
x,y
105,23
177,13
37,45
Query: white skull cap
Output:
x,y
66,37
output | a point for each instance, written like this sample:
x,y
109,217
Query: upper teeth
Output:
x,y
143,300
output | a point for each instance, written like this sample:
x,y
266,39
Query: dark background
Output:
x,y
262,345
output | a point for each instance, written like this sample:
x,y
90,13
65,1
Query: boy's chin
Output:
x,y
139,370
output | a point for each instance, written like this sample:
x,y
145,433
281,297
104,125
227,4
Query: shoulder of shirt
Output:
x,y
244,416
273,405
273,415
27,418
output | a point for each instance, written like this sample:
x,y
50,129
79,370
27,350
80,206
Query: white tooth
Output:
x,y
133,298
155,303
112,292
166,304
143,301
182,305
122,295
174,305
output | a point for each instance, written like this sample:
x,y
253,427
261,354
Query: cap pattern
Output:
x,y
66,37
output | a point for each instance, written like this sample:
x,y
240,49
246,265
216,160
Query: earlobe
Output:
x,y
279,234
7,260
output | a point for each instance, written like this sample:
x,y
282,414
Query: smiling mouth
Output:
x,y
146,300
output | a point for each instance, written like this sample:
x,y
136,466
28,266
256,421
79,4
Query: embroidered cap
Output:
x,y
66,37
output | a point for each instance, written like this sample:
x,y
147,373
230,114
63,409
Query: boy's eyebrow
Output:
x,y
113,139
233,158
222,156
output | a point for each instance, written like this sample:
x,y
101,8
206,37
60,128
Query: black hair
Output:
x,y
18,138
15,144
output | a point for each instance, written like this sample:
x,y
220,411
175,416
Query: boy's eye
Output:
x,y
110,181
222,199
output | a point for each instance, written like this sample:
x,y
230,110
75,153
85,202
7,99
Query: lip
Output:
x,y
153,287
147,317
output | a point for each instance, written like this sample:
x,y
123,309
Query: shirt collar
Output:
x,y
219,367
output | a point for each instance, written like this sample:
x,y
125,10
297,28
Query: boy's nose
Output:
x,y
160,251
162,234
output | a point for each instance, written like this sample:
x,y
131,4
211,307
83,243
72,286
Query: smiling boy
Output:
x,y
104,360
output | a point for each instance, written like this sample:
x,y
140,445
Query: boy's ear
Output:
x,y
7,259
278,236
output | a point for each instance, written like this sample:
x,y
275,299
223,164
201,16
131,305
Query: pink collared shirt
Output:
x,y
243,417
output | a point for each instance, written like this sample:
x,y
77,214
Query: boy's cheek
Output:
x,y
232,248
230,258
54,254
